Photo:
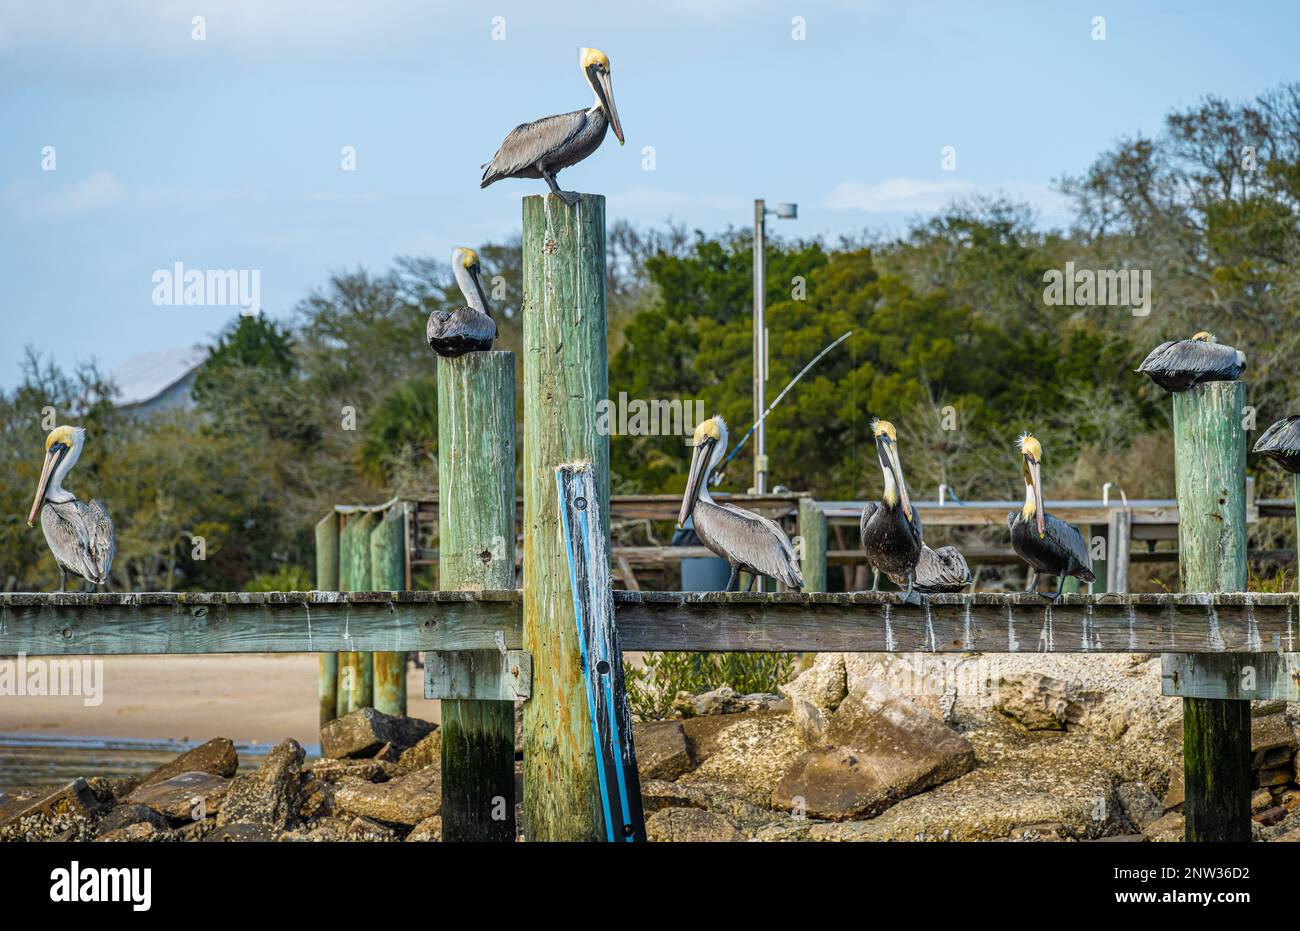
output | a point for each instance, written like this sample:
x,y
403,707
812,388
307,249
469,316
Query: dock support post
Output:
x,y
566,374
476,551
1210,464
327,580
812,537
388,574
356,670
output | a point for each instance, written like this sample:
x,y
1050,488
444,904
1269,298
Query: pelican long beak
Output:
x,y
600,81
890,449
695,481
1036,481
474,274
52,459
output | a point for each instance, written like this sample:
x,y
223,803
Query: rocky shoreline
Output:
x,y
857,747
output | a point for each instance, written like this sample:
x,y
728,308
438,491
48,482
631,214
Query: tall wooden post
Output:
x,y
812,535
356,670
566,374
388,574
1210,464
476,552
327,580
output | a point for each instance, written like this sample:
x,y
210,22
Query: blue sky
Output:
x,y
226,152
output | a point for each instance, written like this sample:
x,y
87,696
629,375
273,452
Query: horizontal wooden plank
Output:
x,y
1242,676
273,622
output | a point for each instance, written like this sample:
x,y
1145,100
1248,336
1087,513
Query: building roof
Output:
x,y
142,378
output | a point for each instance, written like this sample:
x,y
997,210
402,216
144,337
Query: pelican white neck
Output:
x,y
55,493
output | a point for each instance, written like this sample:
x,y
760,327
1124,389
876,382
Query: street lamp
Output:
x,y
782,212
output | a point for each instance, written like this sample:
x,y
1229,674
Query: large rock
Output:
x,y
1043,703
662,750
1139,804
406,800
823,684
183,797
427,752
1167,829
362,770
1270,732
270,795
74,802
883,748
364,733
217,757
123,816
725,700
428,830
690,825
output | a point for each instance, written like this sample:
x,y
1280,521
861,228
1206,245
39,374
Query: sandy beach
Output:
x,y
253,698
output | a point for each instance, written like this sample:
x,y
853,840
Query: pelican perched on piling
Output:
x,y
1048,544
79,534
542,148
1181,363
891,530
467,329
748,542
1281,443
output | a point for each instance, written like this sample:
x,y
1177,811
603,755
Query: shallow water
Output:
x,y
46,760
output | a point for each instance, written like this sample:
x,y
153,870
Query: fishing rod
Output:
x,y
717,475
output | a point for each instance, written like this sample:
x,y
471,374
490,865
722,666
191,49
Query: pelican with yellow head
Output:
x,y
470,328
747,541
1047,543
542,148
891,529
80,535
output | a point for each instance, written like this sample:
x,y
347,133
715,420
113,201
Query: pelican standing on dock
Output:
x,y
80,535
891,529
542,148
471,328
1048,544
1179,364
748,542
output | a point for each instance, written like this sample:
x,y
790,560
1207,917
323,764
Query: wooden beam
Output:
x,y
388,573
476,547
1210,469
356,668
1237,676
327,580
812,545
310,622
566,376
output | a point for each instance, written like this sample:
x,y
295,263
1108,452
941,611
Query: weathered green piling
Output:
x,y
566,375
476,551
388,574
1210,465
812,536
327,580
356,670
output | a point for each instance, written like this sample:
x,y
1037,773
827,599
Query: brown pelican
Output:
x,y
1281,443
1048,544
750,543
941,570
891,530
80,535
541,148
1181,363
467,329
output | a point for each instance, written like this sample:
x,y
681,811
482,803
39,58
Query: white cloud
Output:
x,y
921,195
95,191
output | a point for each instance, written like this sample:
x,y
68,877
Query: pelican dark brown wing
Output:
x,y
1060,551
1281,443
81,537
455,332
1179,364
747,540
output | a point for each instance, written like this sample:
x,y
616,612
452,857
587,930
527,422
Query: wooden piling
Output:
x,y
356,670
812,534
388,574
327,580
476,551
1210,465
566,375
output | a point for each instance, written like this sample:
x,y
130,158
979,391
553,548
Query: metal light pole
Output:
x,y
783,212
